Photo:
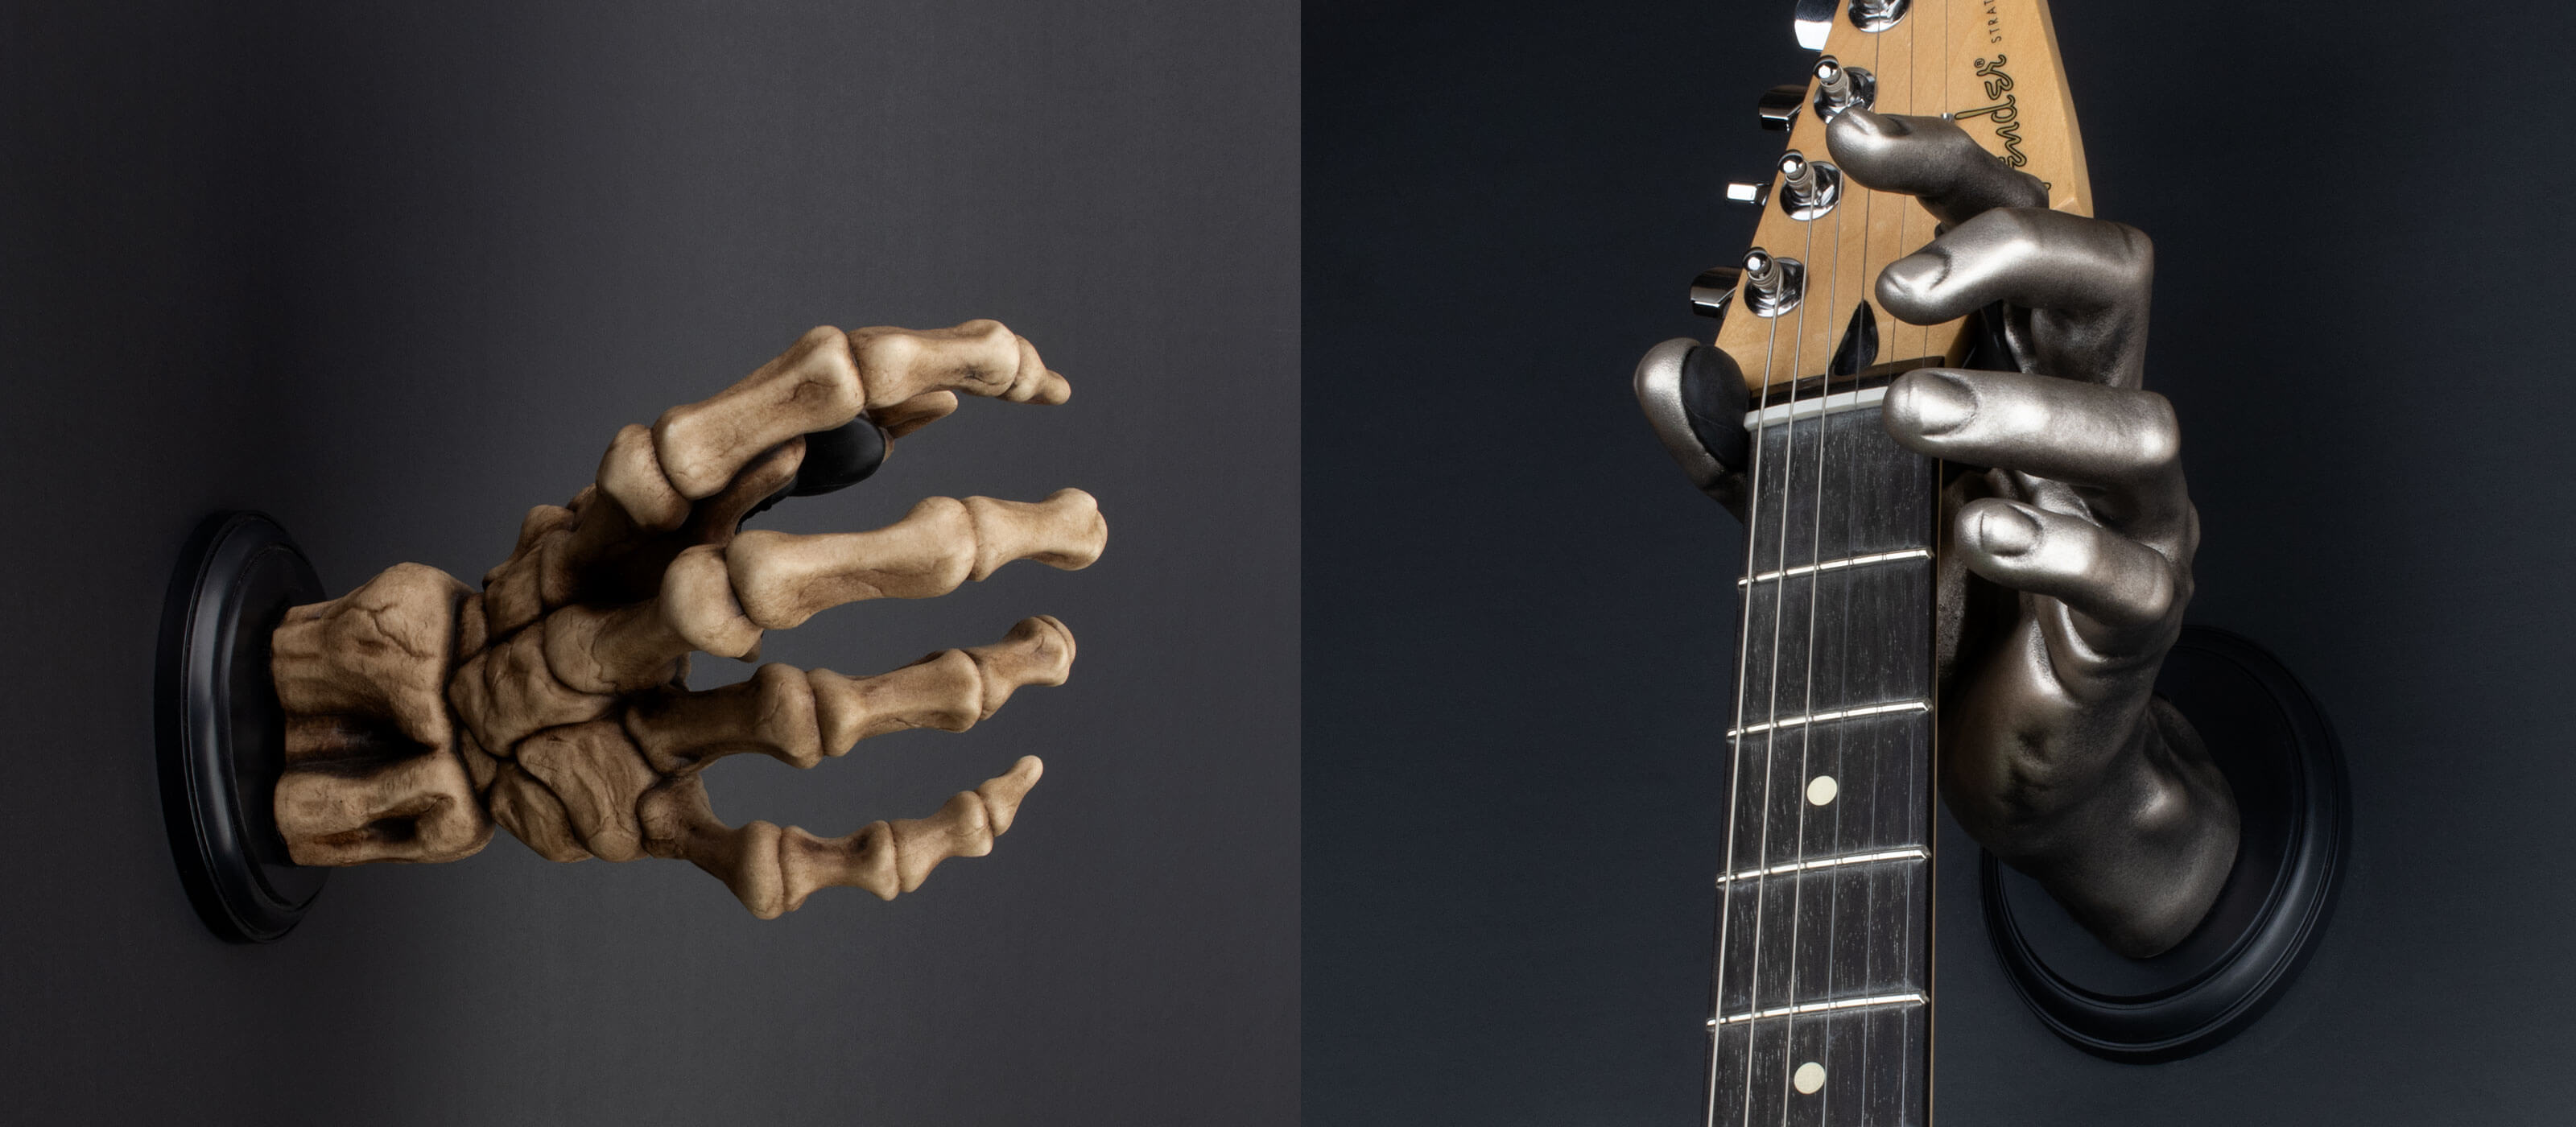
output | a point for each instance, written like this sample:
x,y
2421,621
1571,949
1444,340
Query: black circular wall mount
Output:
x,y
2280,757
222,735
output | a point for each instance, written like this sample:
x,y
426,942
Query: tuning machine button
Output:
x,y
1815,22
1780,105
1714,290
1755,194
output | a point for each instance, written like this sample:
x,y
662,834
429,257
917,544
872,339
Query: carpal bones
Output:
x,y
554,702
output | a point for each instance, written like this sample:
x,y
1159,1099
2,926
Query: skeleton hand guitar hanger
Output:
x,y
2017,597
411,716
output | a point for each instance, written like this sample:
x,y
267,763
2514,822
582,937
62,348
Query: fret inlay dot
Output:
x,y
1821,790
1809,1078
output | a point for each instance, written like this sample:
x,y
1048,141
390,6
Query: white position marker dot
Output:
x,y
1809,1078
1821,790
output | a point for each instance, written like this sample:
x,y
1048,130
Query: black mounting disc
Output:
x,y
222,735
2280,757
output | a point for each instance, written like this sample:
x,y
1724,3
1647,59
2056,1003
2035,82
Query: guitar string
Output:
x,y
1743,696
1815,586
1771,737
1833,915
1779,617
1868,906
1833,903
1922,924
1870,909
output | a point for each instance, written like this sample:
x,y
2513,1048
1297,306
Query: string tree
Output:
x,y
1879,15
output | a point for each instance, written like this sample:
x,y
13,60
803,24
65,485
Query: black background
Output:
x,y
1520,617
396,273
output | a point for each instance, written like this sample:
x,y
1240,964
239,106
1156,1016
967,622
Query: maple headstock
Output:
x,y
1993,66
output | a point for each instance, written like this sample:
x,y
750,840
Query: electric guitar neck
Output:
x,y
1822,995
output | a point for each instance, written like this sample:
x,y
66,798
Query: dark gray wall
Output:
x,y
1521,616
396,273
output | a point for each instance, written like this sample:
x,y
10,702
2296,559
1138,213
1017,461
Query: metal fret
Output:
x,y
1823,1007
1908,854
1828,717
1838,565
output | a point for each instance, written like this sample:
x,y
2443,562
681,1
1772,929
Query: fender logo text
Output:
x,y
2003,114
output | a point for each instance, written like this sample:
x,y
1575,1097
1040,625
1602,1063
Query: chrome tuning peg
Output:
x,y
1808,188
1839,88
1755,194
1780,105
1772,285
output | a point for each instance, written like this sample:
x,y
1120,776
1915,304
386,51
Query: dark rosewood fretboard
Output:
x,y
1823,982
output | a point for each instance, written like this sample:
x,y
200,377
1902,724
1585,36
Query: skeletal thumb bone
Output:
x,y
826,379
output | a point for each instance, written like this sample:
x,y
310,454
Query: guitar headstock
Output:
x,y
1804,302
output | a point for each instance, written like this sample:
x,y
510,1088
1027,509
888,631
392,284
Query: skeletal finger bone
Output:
x,y
719,516
798,717
780,580
814,385
772,870
827,378
607,555
630,473
979,357
698,604
949,690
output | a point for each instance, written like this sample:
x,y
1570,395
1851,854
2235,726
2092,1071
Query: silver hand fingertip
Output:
x,y
2005,530
1930,402
1910,286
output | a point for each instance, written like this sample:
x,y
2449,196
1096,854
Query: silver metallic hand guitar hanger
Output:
x,y
2056,755
413,715
1967,528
